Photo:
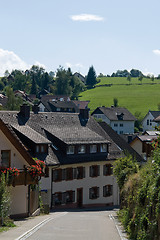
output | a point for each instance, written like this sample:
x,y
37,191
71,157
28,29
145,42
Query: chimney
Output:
x,y
25,111
35,109
84,113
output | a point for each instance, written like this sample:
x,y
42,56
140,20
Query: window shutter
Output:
x,y
73,196
63,197
83,172
74,173
54,175
98,170
63,174
97,192
90,193
91,171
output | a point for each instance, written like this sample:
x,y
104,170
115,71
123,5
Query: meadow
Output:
x,y
136,96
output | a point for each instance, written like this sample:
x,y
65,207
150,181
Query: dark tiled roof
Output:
x,y
62,104
147,138
81,104
31,134
121,143
114,113
155,113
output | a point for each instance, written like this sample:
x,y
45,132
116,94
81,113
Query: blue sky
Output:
x,y
109,35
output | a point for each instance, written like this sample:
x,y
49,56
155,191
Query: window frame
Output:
x,y
94,171
107,169
68,149
108,190
92,150
94,192
8,159
80,147
102,148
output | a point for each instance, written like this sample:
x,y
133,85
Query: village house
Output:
x,y
16,159
148,123
78,154
120,119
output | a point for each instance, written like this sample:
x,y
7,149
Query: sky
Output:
x,y
108,35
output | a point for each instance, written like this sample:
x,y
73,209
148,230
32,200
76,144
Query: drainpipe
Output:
x,y
29,196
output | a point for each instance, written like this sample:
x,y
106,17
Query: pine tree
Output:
x,y
91,77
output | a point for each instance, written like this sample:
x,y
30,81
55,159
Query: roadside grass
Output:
x,y
136,98
7,225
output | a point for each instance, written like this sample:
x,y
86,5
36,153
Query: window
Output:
x,y
37,148
121,124
94,171
70,150
57,175
147,121
107,169
93,148
94,192
121,132
69,173
42,149
5,158
107,190
79,173
58,109
81,149
103,148
57,198
69,196
115,125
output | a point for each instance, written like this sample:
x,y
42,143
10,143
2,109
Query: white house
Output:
x,y
147,123
24,200
119,119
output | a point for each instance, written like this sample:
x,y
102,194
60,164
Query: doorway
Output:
x,y
79,197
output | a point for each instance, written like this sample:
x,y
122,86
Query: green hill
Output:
x,y
135,96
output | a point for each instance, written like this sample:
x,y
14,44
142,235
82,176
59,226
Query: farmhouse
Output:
x,y
148,122
24,198
120,119
79,156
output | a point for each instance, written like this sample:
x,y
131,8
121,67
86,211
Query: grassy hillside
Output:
x,y
135,96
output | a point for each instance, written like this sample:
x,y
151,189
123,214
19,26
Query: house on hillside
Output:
x,y
78,153
120,142
57,106
80,76
120,119
148,123
143,145
23,187
3,100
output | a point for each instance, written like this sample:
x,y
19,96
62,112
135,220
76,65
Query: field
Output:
x,y
136,97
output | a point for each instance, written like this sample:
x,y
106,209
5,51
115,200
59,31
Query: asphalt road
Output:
x,y
80,225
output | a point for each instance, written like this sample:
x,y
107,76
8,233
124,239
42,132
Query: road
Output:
x,y
78,225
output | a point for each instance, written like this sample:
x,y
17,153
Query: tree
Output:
x,y
140,78
115,102
152,78
33,87
135,73
91,77
123,167
13,103
62,82
129,79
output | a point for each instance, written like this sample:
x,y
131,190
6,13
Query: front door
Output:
x,y
79,197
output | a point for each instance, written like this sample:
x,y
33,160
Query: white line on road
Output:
x,y
38,226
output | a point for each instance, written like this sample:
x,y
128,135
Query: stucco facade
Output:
x,y
50,187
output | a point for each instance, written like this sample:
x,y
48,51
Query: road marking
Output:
x,y
38,226
117,227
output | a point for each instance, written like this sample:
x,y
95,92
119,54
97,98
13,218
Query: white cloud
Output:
x,y
40,64
156,51
86,17
9,61
76,65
